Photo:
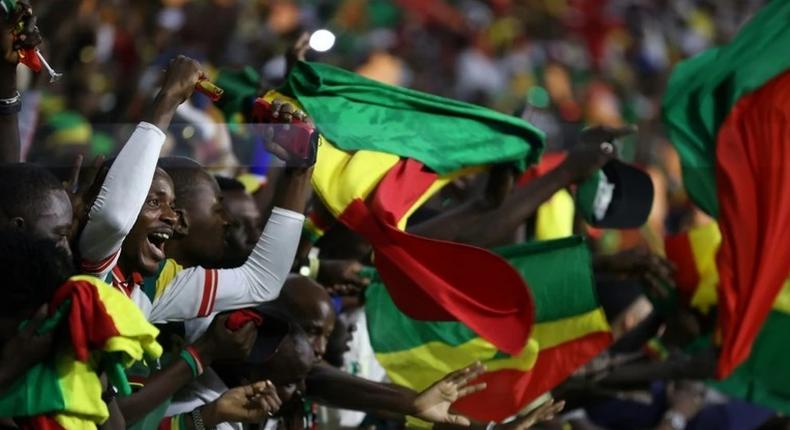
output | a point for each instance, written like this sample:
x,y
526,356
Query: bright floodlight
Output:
x,y
322,40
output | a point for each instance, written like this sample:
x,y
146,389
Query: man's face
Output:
x,y
208,222
245,229
55,219
144,247
288,368
319,324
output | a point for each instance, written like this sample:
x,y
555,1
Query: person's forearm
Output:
x,y
9,125
157,390
293,189
477,223
163,110
116,420
637,337
162,385
335,388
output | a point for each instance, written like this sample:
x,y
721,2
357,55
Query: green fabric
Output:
x,y
238,86
702,91
357,113
558,273
764,378
38,391
585,196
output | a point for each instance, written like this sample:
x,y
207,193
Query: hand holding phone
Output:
x,y
296,138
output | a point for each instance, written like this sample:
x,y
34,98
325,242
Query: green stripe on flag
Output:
x,y
356,113
702,91
558,273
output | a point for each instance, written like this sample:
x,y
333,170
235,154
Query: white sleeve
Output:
x,y
121,197
198,292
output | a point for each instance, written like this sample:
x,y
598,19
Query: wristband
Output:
x,y
192,358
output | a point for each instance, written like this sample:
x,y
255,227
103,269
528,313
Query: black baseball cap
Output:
x,y
618,196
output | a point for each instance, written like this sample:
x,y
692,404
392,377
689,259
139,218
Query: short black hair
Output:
x,y
22,186
184,172
32,269
229,184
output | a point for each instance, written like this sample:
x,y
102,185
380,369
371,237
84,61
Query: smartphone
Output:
x,y
300,140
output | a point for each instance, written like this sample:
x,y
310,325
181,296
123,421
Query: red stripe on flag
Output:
x,y
510,390
752,179
436,280
401,188
678,250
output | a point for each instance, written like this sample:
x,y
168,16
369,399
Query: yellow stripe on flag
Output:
x,y
555,217
705,241
421,366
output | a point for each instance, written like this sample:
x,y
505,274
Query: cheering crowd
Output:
x,y
195,236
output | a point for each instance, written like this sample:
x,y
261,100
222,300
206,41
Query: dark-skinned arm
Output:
x,y
217,343
335,388
484,224
469,223
636,338
29,38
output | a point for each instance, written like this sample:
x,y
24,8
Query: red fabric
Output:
x,y
678,250
753,184
30,59
434,280
509,390
241,317
89,323
548,162
40,422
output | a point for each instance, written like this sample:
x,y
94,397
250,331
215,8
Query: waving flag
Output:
x,y
105,328
727,115
763,378
570,329
384,151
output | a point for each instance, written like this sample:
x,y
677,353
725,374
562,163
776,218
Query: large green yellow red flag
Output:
x,y
727,115
105,332
763,378
384,151
570,329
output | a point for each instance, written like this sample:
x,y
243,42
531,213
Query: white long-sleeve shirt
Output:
x,y
118,204
176,293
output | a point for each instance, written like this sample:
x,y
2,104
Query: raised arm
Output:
x,y
126,185
482,224
9,96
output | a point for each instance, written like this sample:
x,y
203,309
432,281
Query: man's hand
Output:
x,y
248,404
277,133
180,79
686,397
219,343
179,82
29,36
654,271
544,412
297,52
342,275
595,148
434,403
25,349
